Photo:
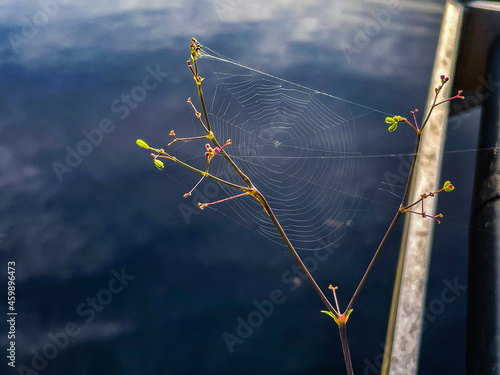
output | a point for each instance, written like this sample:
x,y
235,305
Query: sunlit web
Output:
x,y
298,146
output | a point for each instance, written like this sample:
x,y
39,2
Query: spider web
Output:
x,y
297,145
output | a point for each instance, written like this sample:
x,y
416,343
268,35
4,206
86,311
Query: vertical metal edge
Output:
x,y
407,310
483,276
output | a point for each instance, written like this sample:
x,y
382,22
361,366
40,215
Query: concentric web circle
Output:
x,y
298,149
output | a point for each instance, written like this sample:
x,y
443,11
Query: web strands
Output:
x,y
297,150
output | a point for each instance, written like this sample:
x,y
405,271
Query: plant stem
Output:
x,y
412,168
434,105
372,262
257,194
391,227
345,349
342,326
204,173
296,256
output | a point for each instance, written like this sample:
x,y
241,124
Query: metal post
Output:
x,y
407,310
483,303
468,30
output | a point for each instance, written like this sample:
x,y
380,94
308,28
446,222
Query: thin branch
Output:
x,y
295,255
391,226
163,154
345,349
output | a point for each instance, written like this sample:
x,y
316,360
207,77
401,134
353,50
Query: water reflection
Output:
x,y
81,81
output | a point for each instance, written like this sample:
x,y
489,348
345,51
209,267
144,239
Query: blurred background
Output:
x,y
117,273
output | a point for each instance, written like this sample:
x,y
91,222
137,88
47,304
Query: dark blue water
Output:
x,y
116,273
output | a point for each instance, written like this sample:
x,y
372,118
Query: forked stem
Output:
x,y
250,189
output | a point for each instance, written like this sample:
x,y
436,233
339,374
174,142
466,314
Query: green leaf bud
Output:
x,y
393,127
158,164
448,186
142,144
394,121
